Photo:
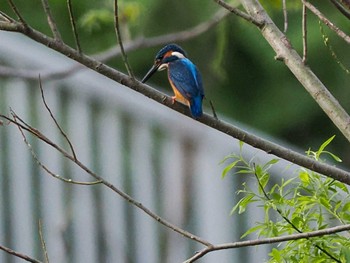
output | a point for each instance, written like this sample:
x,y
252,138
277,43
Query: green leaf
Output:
x,y
345,254
304,177
335,157
269,163
229,168
242,204
253,229
276,255
264,180
346,207
325,144
325,202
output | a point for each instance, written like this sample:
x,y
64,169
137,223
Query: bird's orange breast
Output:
x,y
178,96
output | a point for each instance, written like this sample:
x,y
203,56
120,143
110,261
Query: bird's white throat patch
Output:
x,y
163,66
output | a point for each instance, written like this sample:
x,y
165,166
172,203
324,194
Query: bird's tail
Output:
x,y
196,107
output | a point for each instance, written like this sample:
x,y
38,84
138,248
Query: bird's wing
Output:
x,y
186,78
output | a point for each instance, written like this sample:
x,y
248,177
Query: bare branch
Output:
x,y
11,26
285,52
285,15
5,18
74,29
54,119
19,255
327,22
42,241
36,158
249,243
51,20
304,30
119,37
164,39
115,51
42,137
15,10
331,50
239,13
341,8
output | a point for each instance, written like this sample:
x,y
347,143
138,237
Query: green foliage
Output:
x,y
304,202
95,19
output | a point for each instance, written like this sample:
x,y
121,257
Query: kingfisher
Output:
x,y
183,75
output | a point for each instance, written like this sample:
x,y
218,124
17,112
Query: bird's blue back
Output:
x,y
188,80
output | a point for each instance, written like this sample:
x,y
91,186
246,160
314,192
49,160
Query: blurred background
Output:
x,y
115,129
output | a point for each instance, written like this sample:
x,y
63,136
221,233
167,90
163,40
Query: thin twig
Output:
x,y
271,240
213,109
327,22
42,241
138,43
36,158
125,196
331,50
51,20
4,17
285,16
304,30
19,255
18,14
55,121
304,74
74,28
180,36
239,13
105,56
341,8
119,38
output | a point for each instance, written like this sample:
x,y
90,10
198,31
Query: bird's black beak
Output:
x,y
150,72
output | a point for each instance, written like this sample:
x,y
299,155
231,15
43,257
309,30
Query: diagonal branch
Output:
x,y
51,20
36,158
229,129
40,136
119,37
74,28
18,14
285,52
239,13
326,21
18,254
54,119
249,243
164,39
341,8
115,51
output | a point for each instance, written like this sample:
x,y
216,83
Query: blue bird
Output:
x,y
183,75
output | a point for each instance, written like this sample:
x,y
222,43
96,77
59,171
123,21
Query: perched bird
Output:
x,y
183,75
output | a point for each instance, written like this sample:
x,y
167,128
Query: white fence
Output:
x,y
168,162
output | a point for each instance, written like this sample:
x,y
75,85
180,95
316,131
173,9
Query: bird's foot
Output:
x,y
173,99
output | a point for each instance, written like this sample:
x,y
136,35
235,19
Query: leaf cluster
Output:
x,y
304,202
